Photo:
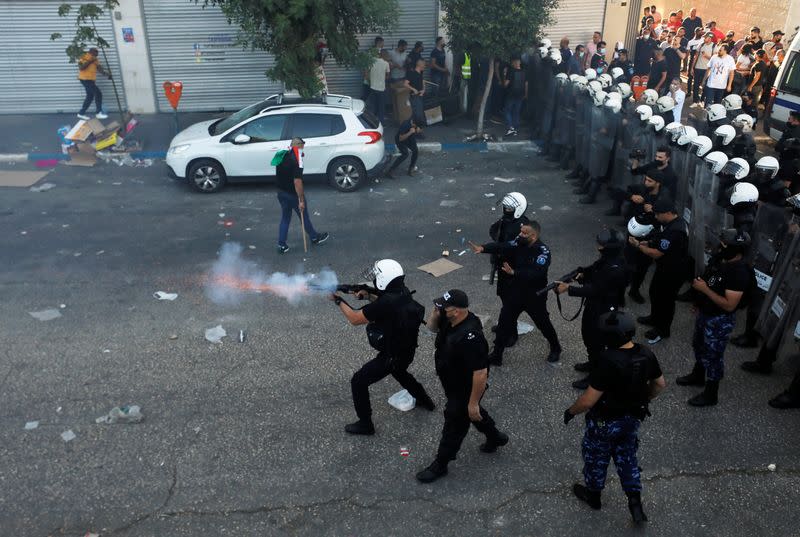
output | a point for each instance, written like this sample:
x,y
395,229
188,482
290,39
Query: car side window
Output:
x,y
316,125
265,129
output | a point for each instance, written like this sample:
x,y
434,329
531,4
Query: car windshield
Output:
x,y
237,117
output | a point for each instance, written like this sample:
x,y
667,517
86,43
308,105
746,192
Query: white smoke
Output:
x,y
232,278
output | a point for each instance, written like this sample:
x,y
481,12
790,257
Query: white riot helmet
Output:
x,y
581,83
724,134
574,76
514,201
657,122
665,104
599,97
594,86
543,52
617,72
674,129
701,145
384,271
613,103
744,193
737,167
546,43
561,78
638,229
716,161
650,96
767,167
590,74
555,55
606,80
716,112
744,122
686,137
624,89
732,102
644,111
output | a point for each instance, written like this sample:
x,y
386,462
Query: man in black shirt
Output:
x,y
416,85
669,179
439,71
674,55
462,364
657,79
627,377
393,319
719,294
623,63
598,61
692,22
406,141
516,86
291,195
528,261
670,249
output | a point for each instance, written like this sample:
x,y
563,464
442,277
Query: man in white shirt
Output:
x,y
378,74
704,55
679,96
719,75
397,62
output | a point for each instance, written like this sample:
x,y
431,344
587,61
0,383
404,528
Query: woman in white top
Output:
x,y
744,63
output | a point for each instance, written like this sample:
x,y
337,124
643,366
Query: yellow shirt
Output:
x,y
90,73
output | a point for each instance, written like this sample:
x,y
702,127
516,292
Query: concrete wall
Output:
x,y
741,15
137,77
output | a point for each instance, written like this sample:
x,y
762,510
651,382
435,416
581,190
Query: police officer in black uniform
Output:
x,y
506,229
788,151
603,289
528,261
626,378
670,249
462,363
393,318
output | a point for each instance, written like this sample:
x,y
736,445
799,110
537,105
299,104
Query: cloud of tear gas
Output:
x,y
232,278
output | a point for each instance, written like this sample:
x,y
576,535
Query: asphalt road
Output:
x,y
247,438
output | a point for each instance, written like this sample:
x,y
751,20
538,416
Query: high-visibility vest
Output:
x,y
466,69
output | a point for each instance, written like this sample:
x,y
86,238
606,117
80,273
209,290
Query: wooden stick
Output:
x,y
303,227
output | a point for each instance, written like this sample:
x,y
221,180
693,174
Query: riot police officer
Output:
x,y
393,318
719,294
627,377
528,259
670,249
506,229
462,364
603,288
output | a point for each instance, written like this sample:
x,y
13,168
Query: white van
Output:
x,y
785,94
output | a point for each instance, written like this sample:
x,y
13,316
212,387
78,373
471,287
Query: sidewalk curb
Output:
x,y
425,147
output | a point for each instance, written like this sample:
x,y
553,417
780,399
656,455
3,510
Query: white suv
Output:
x,y
344,142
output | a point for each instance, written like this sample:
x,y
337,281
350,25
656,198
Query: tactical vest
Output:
x,y
466,68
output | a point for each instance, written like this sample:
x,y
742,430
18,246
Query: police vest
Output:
x,y
466,68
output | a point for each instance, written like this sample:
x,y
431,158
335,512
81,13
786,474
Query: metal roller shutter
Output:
x,y
578,20
37,76
196,46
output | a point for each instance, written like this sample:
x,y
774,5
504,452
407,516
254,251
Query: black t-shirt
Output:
x,y
404,127
735,276
623,375
656,70
669,179
673,242
290,168
530,264
761,68
516,88
460,351
415,79
758,45
673,63
439,56
385,313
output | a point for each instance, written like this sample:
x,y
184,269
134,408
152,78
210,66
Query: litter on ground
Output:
x,y
122,414
44,187
31,425
161,295
66,436
403,401
215,335
45,315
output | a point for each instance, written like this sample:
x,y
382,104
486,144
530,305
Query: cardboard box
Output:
x,y
434,115
108,141
96,125
80,131
401,106
83,154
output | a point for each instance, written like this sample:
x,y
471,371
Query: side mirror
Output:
x,y
241,139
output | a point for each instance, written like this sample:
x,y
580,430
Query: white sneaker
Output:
x,y
84,117
101,115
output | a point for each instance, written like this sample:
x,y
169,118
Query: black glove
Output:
x,y
568,416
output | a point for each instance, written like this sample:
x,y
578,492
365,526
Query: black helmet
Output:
x,y
616,328
610,239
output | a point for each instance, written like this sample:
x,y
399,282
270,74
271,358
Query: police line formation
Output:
x,y
694,203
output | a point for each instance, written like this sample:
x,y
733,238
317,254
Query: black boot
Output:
x,y
746,340
583,367
591,193
707,397
583,187
432,472
496,356
491,444
581,384
512,341
591,497
635,507
574,174
426,402
364,427
696,378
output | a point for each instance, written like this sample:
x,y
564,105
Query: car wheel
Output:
x,y
206,176
347,174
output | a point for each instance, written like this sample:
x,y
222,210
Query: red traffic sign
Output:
x,y
173,91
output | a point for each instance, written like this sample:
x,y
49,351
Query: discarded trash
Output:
x,y
402,400
66,436
316,213
248,229
252,247
77,254
242,336
437,222
31,425
439,267
504,180
524,328
485,277
117,183
445,253
404,452
106,351
62,306
23,232
458,230
161,295
222,215
228,223
43,187
45,315
404,190
100,252
771,467
173,336
420,236
122,414
196,430
46,163
448,203
462,252
58,410
488,195
215,335
545,208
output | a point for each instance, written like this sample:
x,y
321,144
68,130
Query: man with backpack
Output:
x,y
393,319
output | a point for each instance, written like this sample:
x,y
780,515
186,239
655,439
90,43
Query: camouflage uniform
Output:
x,y
603,439
711,334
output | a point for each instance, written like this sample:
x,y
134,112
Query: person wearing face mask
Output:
x,y
462,364
720,292
528,260
575,63
666,174
602,287
598,61
643,52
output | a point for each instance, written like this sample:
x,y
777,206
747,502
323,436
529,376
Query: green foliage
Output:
x,y
86,35
291,29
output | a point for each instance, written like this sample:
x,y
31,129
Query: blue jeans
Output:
x,y
513,110
713,95
289,203
92,94
377,100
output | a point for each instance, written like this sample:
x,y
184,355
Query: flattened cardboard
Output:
x,y
82,155
79,132
434,115
440,267
96,125
21,179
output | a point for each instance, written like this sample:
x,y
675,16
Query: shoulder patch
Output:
x,y
541,260
664,244
471,335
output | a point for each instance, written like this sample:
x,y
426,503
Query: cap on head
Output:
x,y
297,141
663,205
455,298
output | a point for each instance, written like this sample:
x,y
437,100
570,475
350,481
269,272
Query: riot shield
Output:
x,y
625,141
702,238
583,111
601,141
548,108
566,124
681,159
790,287
560,132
